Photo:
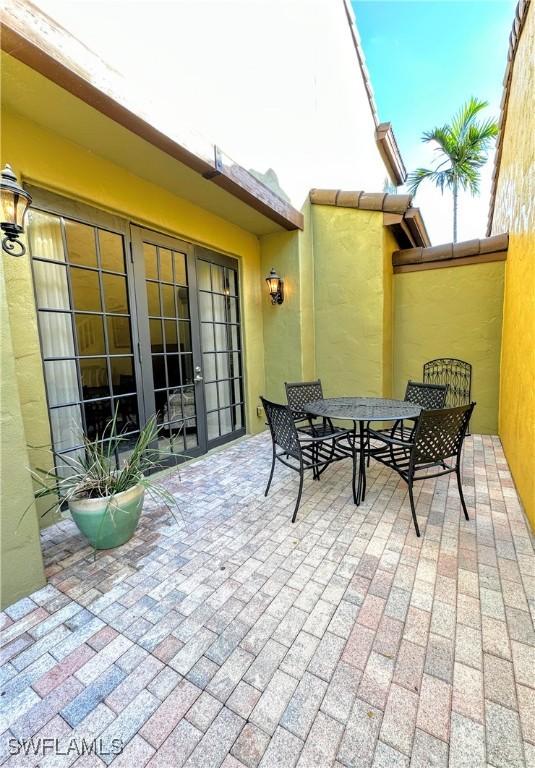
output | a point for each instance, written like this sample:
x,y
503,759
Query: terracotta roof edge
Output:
x,y
388,146
451,251
366,201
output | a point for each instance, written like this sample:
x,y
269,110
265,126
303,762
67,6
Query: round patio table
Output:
x,y
361,410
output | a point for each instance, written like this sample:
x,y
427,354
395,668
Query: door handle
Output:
x,y
198,377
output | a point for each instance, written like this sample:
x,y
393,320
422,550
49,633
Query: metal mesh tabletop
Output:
x,y
363,409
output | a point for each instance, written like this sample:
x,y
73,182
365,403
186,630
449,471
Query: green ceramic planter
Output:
x,y
110,521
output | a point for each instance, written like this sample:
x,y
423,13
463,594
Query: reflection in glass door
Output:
x,y
168,331
219,314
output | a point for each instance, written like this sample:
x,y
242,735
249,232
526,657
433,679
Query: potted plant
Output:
x,y
105,501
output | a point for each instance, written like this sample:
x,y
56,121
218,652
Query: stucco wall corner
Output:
x,y
21,560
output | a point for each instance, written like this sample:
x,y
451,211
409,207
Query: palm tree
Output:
x,y
462,151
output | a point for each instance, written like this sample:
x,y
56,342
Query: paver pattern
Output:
x,y
230,637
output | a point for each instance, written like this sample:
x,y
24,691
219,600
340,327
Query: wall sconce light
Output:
x,y
14,202
276,287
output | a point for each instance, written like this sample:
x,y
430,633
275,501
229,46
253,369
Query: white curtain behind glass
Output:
x,y
214,340
55,327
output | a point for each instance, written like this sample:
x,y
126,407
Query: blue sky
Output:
x,y
425,59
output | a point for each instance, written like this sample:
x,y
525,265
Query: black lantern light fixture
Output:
x,y
14,203
276,287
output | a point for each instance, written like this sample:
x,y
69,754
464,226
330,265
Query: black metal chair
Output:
x,y
437,438
301,451
298,393
429,396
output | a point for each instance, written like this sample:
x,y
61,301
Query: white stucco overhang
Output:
x,y
51,78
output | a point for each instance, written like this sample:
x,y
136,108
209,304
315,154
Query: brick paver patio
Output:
x,y
239,639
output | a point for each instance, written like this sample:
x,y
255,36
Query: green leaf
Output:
x,y
462,149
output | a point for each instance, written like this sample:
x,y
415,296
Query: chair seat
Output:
x,y
394,456
323,430
396,431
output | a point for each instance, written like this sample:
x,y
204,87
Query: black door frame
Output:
x,y
221,259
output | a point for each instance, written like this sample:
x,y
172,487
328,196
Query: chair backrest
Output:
x,y
300,392
457,374
439,434
427,395
282,427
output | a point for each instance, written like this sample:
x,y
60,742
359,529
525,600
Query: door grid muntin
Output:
x,y
219,312
167,285
95,376
132,334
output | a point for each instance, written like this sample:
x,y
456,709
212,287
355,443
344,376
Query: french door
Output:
x,y
134,323
189,341
220,324
165,286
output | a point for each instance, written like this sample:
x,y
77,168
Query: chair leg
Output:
x,y
413,509
320,471
315,472
301,478
271,473
459,484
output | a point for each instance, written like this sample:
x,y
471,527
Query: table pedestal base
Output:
x,y
359,486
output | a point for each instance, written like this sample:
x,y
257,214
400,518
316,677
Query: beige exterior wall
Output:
x,y
515,212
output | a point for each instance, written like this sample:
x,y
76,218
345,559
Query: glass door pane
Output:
x,y
168,330
219,314
85,324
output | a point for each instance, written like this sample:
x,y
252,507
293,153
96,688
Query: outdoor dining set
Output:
x,y
422,438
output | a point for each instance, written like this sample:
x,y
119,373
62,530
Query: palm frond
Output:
x,y
415,178
466,115
441,178
462,149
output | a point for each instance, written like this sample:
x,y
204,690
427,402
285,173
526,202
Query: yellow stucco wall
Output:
x,y
289,340
351,339
306,281
50,161
21,564
452,312
389,246
515,212
282,342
